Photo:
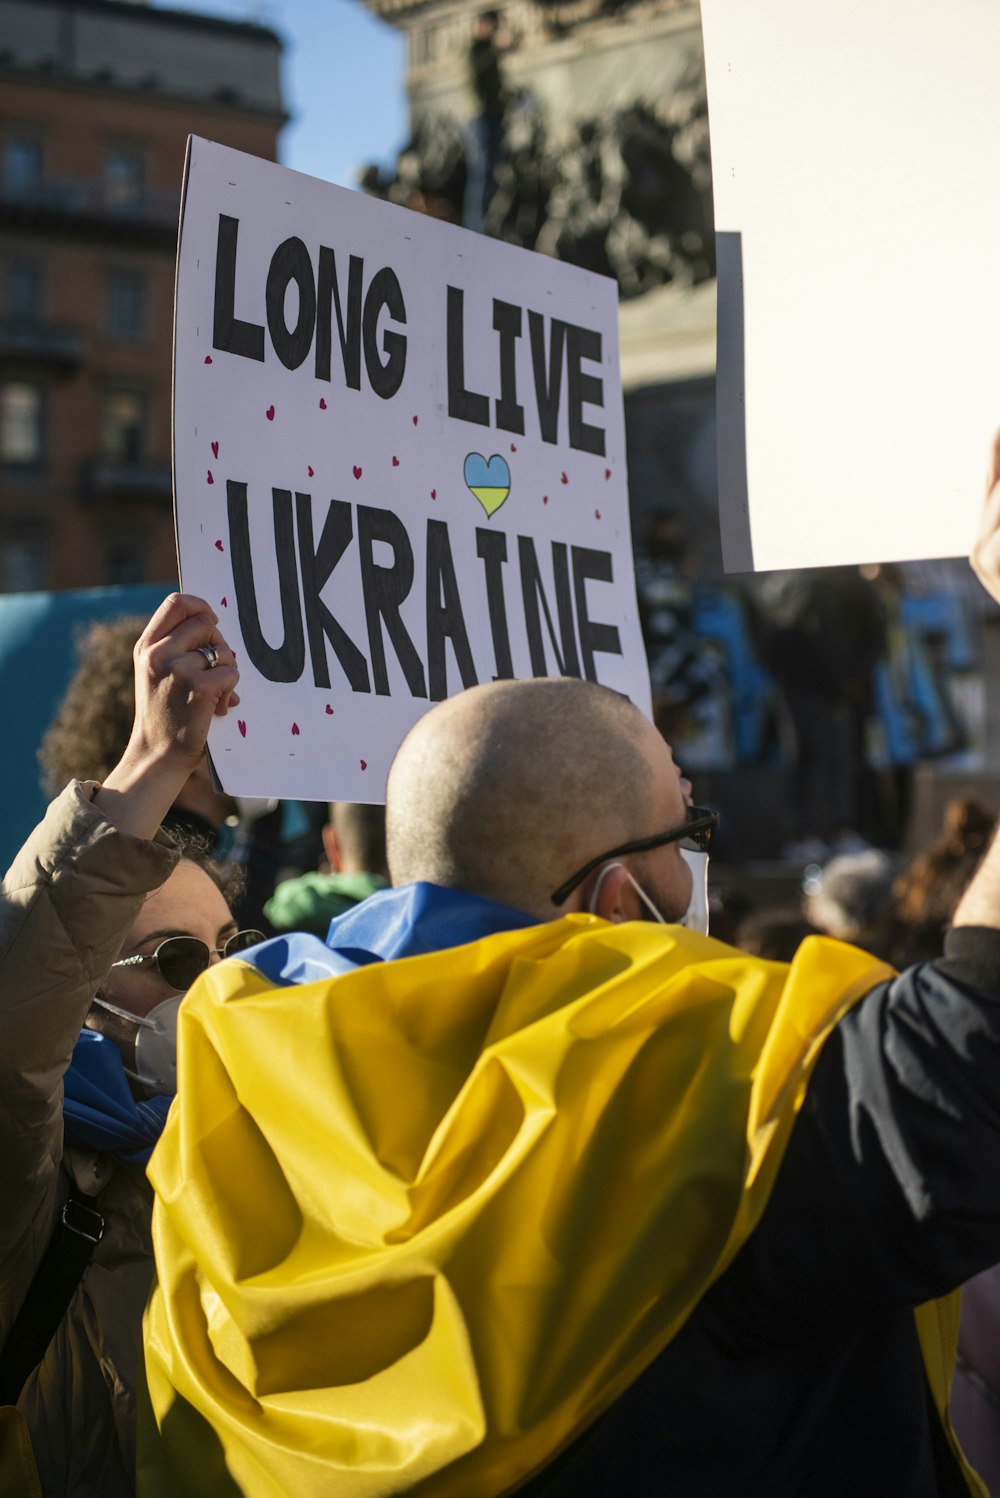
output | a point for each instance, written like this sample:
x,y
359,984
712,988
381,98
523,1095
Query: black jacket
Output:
x,y
799,1375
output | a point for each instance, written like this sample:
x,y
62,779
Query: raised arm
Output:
x,y
980,905
70,897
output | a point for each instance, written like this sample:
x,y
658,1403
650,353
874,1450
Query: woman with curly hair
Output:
x,y
105,921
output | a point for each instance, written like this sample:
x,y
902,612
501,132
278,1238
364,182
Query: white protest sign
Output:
x,y
854,152
399,461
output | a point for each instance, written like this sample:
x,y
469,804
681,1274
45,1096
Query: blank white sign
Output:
x,y
856,157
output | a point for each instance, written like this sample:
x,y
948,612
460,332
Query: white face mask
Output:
x,y
155,1070
695,917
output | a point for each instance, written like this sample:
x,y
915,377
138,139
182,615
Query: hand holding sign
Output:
x,y
185,675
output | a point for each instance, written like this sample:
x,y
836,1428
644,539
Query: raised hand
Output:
x,y
185,674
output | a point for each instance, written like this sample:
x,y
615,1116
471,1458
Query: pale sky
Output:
x,y
343,81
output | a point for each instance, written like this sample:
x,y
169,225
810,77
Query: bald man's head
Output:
x,y
506,789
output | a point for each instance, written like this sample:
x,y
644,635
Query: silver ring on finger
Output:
x,y
210,653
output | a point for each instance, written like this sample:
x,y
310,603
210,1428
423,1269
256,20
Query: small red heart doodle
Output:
x,y
208,358
434,494
242,728
545,499
322,404
364,764
310,468
269,413
295,730
597,514
565,479
219,546
210,478
225,605
607,473
357,471
215,449
513,447
415,420
395,461
329,710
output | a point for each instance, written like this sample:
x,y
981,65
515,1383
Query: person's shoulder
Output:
x,y
300,902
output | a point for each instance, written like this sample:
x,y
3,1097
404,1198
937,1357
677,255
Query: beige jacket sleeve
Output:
x,y
66,905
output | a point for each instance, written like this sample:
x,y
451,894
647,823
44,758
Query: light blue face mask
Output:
x,y
695,917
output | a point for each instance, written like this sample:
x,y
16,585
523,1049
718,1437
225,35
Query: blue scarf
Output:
x,y
99,1111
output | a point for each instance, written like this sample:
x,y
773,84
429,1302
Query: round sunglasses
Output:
x,y
179,960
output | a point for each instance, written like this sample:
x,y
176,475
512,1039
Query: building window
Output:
x,y
24,564
125,560
23,291
22,166
21,435
124,178
123,430
125,305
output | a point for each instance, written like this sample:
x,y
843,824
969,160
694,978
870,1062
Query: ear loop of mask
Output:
x,y
635,885
155,1070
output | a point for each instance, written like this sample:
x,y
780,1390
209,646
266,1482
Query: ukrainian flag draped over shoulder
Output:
x,y
418,1225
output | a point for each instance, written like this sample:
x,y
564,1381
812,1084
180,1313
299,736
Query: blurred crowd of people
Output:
x,y
846,678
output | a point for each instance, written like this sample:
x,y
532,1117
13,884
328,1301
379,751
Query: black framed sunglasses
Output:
x,y
181,959
696,834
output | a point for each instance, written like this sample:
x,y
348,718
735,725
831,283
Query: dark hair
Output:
x,y
360,831
228,878
88,735
925,895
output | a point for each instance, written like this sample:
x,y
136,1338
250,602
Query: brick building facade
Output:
x,y
97,99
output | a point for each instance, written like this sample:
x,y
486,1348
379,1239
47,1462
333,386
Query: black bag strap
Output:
x,y
70,1250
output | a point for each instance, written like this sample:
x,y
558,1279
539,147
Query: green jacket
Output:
x,y
310,902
